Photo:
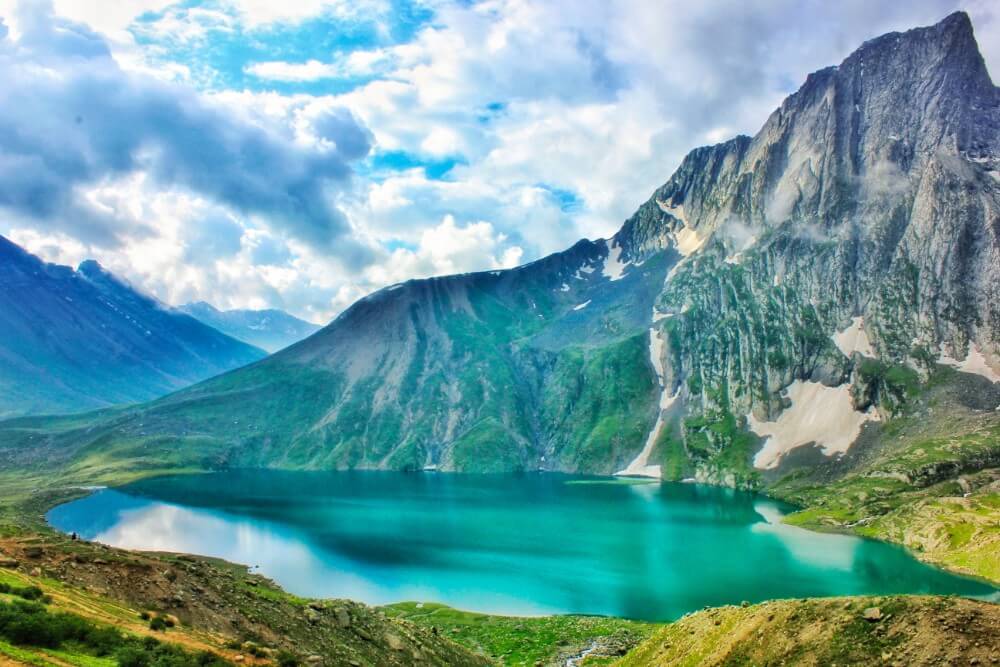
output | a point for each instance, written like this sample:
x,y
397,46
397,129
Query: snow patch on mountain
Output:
x,y
614,268
854,339
817,414
974,362
688,241
657,315
639,467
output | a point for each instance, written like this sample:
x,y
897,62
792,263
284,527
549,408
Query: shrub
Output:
x,y
132,656
26,592
31,593
30,624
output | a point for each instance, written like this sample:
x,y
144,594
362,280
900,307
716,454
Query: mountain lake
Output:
x,y
507,544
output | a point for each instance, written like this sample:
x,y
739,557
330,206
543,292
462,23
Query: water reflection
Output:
x,y
527,545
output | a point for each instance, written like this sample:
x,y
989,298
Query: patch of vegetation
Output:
x,y
487,447
892,386
716,442
29,624
30,593
519,641
907,630
599,404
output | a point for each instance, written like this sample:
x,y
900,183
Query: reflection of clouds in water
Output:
x,y
826,549
163,527
645,490
299,566
506,545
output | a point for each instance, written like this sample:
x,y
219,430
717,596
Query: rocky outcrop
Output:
x,y
871,193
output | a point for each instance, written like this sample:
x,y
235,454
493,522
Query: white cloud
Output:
x,y
355,63
441,141
81,120
447,249
311,70
597,99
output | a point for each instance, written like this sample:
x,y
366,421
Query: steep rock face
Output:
x,y
831,260
872,192
75,340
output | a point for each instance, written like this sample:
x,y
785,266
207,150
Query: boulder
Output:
x,y
872,614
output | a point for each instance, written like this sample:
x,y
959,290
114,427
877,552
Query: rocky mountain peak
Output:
x,y
852,136
870,198
822,267
92,269
11,252
94,273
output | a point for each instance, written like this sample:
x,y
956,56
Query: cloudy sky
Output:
x,y
299,154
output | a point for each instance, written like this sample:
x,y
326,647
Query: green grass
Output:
x,y
674,462
487,447
81,659
518,641
599,404
30,626
23,655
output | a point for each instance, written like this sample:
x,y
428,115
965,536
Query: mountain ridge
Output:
x,y
84,339
864,210
269,329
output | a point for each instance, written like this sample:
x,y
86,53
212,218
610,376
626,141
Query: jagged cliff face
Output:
x,y
868,204
774,296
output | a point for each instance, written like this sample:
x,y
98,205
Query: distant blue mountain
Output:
x,y
77,340
269,329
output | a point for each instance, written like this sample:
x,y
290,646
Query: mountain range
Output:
x,y
268,329
73,340
768,309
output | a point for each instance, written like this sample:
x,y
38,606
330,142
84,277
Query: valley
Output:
x,y
797,331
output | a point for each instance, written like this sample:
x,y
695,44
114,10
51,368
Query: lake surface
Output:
x,y
529,544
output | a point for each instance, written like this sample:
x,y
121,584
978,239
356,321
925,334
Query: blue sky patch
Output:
x,y
402,160
219,48
569,202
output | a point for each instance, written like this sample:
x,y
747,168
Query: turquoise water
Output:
x,y
529,544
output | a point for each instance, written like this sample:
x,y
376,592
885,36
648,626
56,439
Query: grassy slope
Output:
x,y
830,631
218,607
529,641
99,614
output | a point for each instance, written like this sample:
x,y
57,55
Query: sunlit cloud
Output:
x,y
302,154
